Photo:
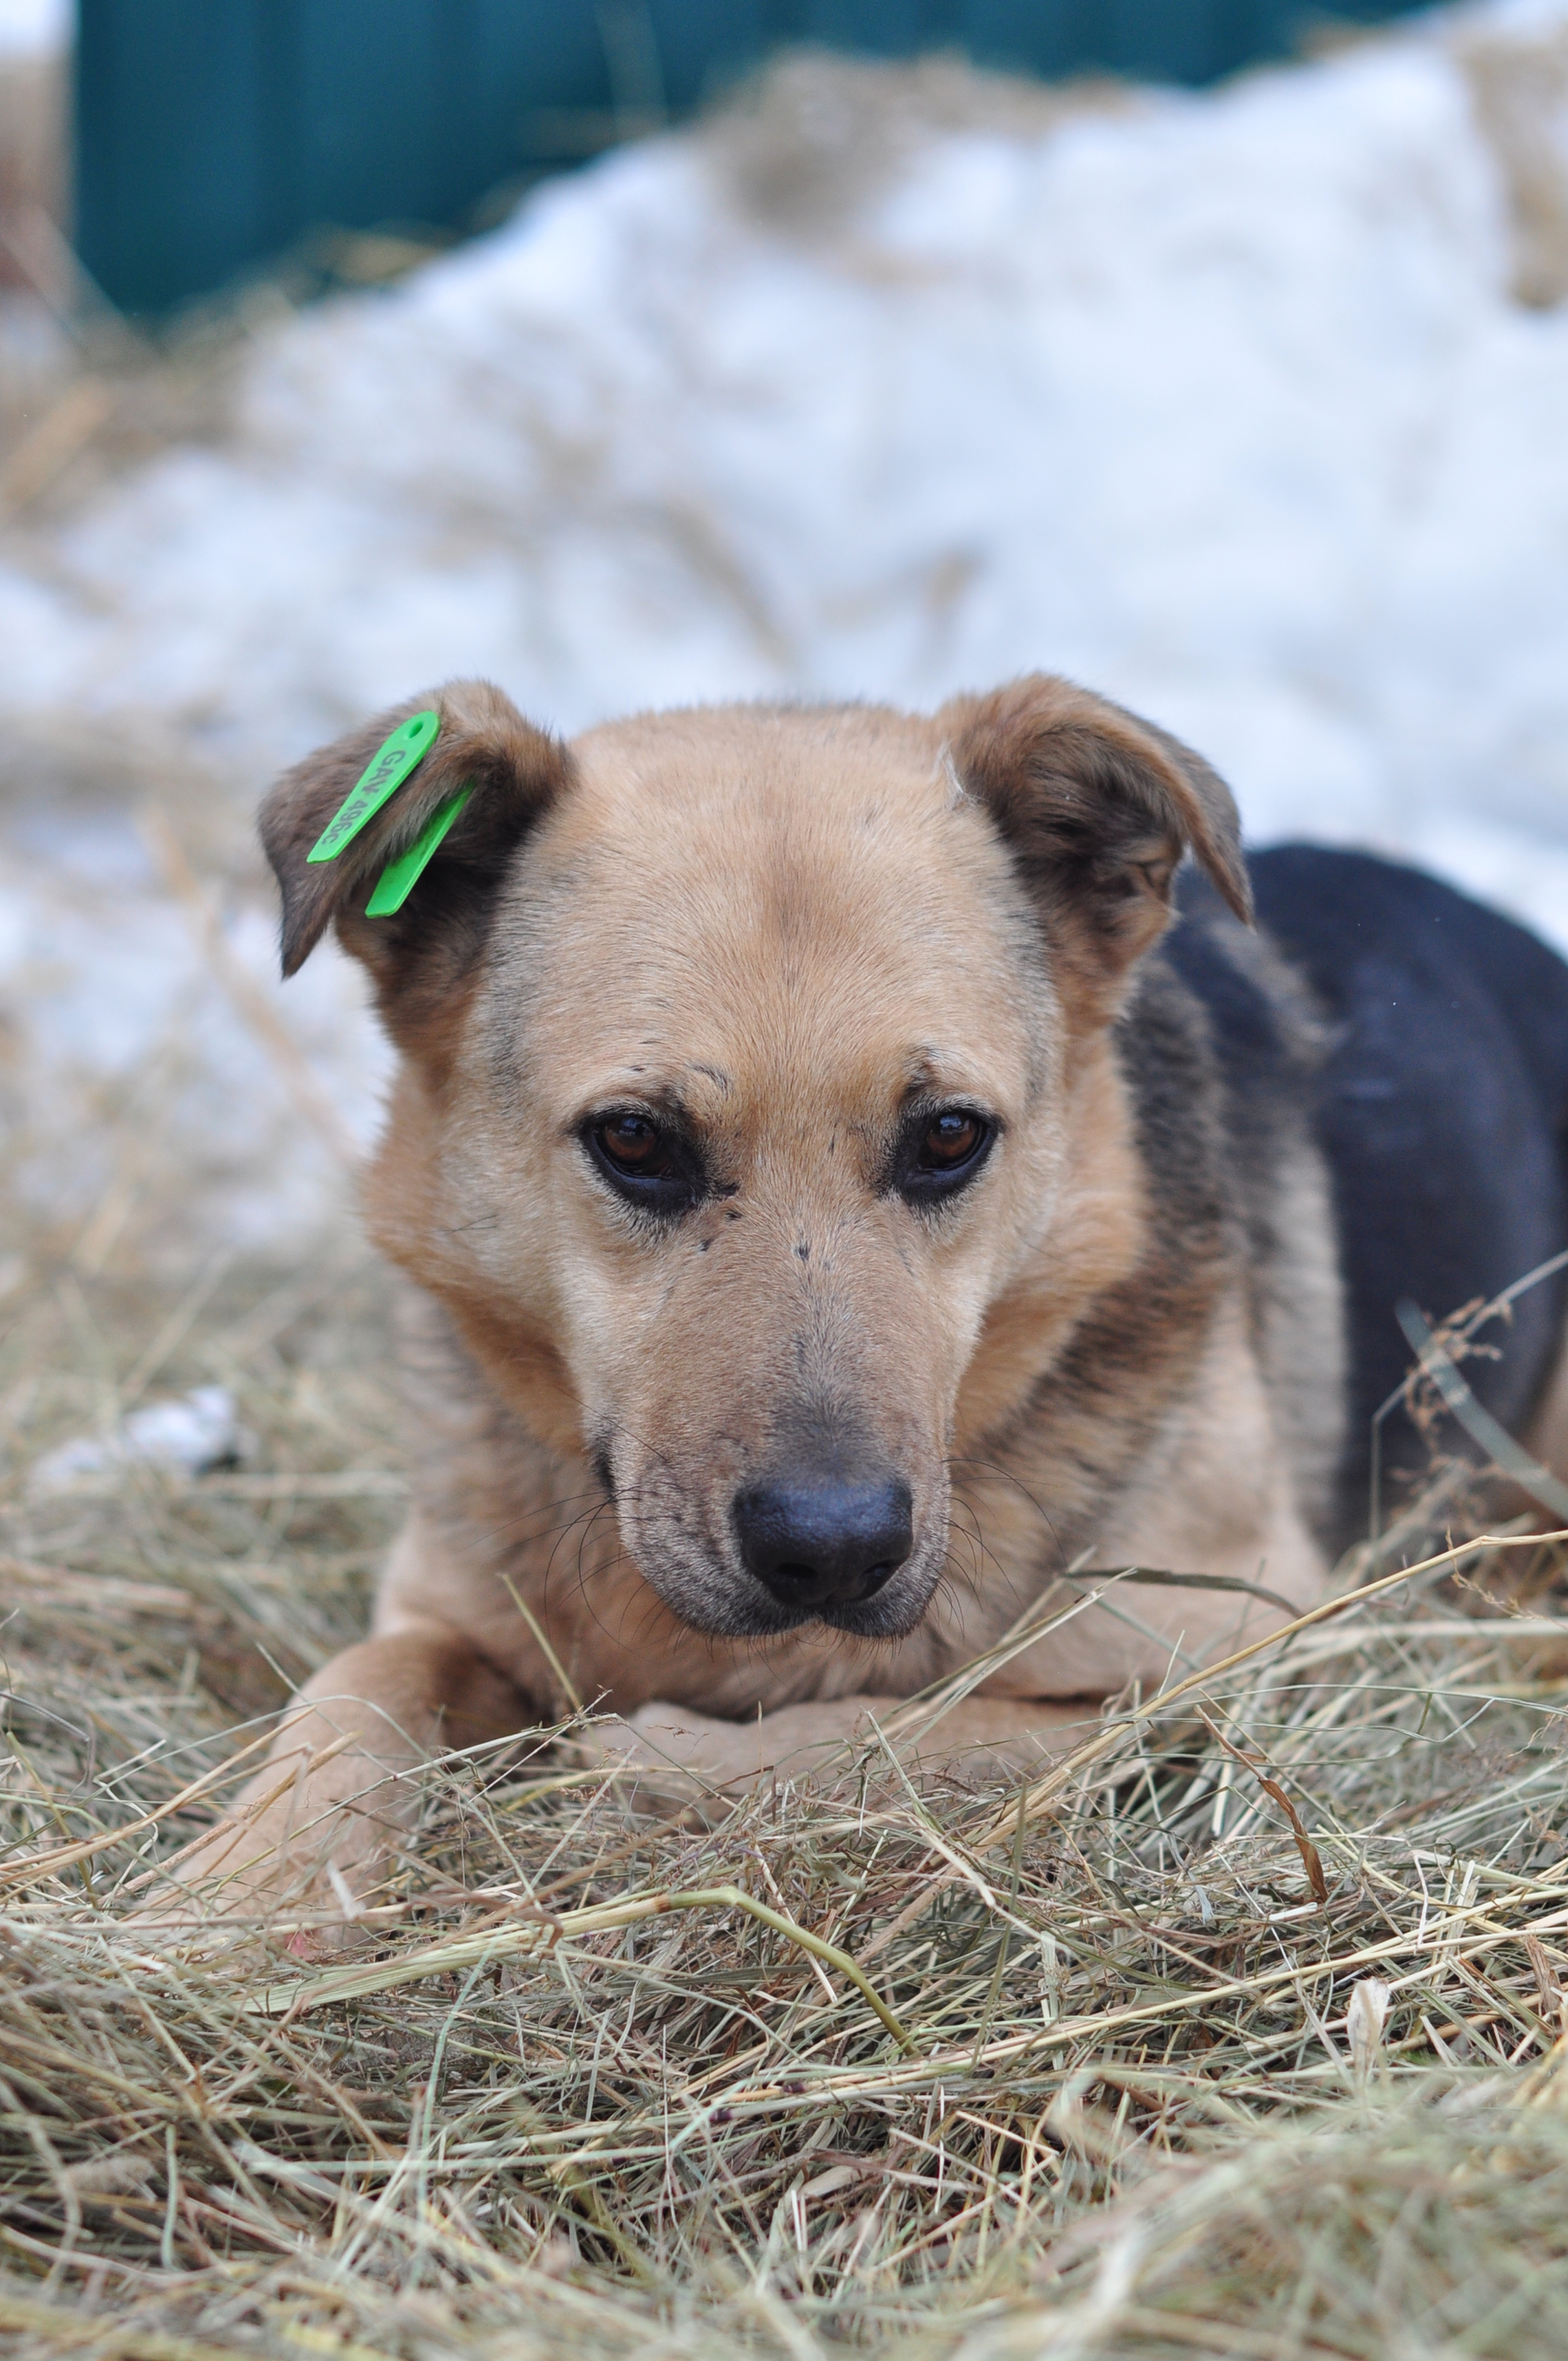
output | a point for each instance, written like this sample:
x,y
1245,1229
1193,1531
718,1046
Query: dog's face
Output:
x,y
744,1090
772,1007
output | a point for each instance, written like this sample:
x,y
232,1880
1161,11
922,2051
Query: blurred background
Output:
x,y
1212,351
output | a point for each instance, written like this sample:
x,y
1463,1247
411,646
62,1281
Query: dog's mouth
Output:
x,y
889,1609
829,1539
712,1595
810,1591
724,1608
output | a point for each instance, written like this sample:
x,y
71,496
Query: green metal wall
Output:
x,y
212,133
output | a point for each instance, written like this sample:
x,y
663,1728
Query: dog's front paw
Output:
x,y
670,1760
261,1875
695,1755
727,1755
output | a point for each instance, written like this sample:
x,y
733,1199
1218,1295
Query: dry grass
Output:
x,y
1519,91
1152,2097
808,142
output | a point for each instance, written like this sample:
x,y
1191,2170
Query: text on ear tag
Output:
x,y
388,768
399,877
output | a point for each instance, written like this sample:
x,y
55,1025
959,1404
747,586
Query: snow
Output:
x,y
1221,402
188,1436
32,28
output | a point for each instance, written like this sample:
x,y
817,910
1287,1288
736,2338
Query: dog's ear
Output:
x,y
1098,809
418,953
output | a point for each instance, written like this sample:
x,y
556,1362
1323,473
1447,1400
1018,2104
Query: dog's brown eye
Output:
x,y
649,1164
950,1141
941,1154
633,1143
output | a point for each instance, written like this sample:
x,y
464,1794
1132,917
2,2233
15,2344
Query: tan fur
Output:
x,y
790,926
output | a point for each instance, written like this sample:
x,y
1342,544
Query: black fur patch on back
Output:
x,y
1268,1047
1441,1112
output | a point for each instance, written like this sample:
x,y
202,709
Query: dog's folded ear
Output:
x,y
1098,809
515,772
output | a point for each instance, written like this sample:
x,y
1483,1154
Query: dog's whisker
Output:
x,y
510,1530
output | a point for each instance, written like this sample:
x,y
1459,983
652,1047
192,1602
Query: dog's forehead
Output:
x,y
783,774
763,890
796,818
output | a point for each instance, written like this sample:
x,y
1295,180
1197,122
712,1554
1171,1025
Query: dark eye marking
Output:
x,y
941,1151
647,1162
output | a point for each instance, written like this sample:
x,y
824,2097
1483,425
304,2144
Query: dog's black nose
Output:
x,y
825,1540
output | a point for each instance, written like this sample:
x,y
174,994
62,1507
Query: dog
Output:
x,y
853,1172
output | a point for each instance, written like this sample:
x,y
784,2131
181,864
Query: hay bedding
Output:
x,y
1153,2095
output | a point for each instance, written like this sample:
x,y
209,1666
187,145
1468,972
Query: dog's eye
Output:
x,y
633,1144
942,1152
951,1141
646,1163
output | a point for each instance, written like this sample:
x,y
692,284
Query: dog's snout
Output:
x,y
822,1540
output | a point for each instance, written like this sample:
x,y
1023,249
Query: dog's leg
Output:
x,y
340,1785
979,1738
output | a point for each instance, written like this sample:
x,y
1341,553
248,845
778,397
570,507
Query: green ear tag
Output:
x,y
400,876
383,774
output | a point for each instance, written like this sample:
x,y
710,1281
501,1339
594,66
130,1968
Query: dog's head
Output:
x,y
752,1115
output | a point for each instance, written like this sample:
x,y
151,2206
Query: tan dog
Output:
x,y
825,1229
